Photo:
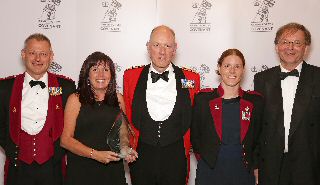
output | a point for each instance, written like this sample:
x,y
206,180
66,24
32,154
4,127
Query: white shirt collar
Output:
x,y
169,68
299,67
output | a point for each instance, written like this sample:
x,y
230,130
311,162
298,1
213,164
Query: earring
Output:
x,y
88,82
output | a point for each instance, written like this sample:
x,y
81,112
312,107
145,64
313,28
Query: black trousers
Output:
x,y
35,174
160,165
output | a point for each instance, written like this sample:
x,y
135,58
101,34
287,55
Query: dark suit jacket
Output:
x,y
10,116
206,128
304,134
132,91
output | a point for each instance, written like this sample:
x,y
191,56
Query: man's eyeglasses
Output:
x,y
286,43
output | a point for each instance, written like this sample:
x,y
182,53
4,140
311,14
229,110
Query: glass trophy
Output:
x,y
121,138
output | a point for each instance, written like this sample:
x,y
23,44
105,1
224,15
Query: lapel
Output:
x,y
216,113
302,98
55,108
15,108
183,96
54,114
275,102
246,108
139,96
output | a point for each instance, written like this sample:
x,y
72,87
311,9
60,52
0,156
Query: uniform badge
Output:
x,y
246,114
14,109
216,107
187,83
55,91
57,107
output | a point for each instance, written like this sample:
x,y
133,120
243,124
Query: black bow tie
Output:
x,y
156,76
284,75
33,83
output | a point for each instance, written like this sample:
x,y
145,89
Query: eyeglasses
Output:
x,y
41,54
286,43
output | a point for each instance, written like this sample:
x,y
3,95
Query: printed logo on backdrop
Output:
x,y
118,70
55,67
261,21
200,22
48,18
110,21
202,70
257,69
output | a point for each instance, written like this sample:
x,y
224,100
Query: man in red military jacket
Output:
x,y
159,99
31,117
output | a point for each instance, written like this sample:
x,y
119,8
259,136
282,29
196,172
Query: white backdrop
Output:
x,y
121,28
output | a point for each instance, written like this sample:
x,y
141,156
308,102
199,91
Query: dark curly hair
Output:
x,y
86,95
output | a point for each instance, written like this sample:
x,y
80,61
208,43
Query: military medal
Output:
x,y
187,83
246,114
55,91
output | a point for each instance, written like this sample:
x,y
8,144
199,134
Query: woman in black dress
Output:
x,y
226,127
89,116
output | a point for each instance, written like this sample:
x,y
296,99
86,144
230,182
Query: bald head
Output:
x,y
163,29
161,47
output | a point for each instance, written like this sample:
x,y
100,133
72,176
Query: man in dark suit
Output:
x,y
31,117
290,151
158,100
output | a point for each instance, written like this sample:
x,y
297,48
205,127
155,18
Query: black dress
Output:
x,y
229,168
92,128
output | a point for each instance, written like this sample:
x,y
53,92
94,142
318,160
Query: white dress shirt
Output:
x,y
289,87
34,105
161,95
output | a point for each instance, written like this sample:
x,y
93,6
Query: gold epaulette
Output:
x,y
135,67
64,77
8,77
188,69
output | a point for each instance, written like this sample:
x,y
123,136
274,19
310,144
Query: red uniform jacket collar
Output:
x,y
246,108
